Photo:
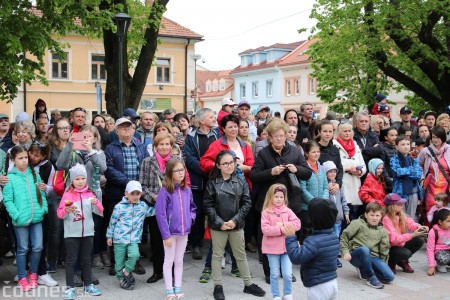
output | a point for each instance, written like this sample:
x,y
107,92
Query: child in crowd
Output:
x,y
76,208
338,199
227,203
125,232
440,202
438,247
274,219
318,253
37,157
373,187
365,244
41,111
381,101
175,213
25,201
315,187
407,174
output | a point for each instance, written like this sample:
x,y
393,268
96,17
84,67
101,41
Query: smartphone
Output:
x,y
78,139
359,168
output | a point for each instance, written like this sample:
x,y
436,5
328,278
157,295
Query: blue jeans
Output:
x,y
370,266
337,229
275,260
25,234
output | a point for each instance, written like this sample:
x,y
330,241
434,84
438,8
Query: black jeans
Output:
x,y
55,235
156,242
198,228
83,247
42,267
398,254
108,205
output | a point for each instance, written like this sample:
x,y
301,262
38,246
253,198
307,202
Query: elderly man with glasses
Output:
x,y
5,139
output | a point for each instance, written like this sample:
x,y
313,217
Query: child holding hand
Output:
x,y
76,208
274,219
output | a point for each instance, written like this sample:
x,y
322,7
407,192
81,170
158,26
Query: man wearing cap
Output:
x,y
262,116
123,159
196,144
405,115
227,108
5,139
244,113
130,114
385,112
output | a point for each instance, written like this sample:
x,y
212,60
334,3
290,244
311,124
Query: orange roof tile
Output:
x,y
202,76
277,45
298,56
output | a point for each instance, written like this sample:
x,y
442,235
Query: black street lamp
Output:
x,y
123,22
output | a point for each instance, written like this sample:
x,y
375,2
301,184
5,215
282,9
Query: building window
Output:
x,y
98,67
243,61
242,90
269,84
208,86
269,56
215,85
59,66
297,87
312,85
255,89
163,70
256,59
222,84
288,87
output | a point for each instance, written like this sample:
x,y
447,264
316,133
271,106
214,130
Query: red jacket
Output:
x,y
220,116
208,159
372,190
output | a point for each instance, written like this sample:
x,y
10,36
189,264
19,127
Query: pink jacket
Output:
x,y
273,239
396,238
443,243
434,208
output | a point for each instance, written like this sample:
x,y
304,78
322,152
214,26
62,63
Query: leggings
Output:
x,y
174,256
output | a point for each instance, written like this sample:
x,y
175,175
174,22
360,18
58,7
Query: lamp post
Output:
x,y
123,22
195,57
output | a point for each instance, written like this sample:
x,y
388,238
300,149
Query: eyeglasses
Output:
x,y
228,164
79,109
179,171
64,128
126,127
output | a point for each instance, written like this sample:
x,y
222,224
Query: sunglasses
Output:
x,y
79,109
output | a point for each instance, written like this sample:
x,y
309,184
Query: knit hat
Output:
x,y
322,213
132,186
77,170
40,102
328,166
380,97
373,165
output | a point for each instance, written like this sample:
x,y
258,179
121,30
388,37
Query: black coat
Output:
x,y
261,173
224,201
331,153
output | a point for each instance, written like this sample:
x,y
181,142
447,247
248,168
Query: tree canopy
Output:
x,y
369,46
29,28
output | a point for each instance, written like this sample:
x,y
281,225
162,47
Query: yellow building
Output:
x,y
72,83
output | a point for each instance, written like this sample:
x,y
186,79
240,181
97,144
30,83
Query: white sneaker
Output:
x,y
441,269
9,255
16,278
14,262
47,280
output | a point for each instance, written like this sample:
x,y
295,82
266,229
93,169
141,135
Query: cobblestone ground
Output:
x,y
405,286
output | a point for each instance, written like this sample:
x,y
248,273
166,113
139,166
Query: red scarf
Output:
x,y
162,161
348,146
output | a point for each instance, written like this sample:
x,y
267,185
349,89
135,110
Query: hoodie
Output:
x,y
443,243
373,188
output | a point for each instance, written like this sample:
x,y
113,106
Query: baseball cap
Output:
x,y
3,116
384,108
122,120
132,186
228,101
393,198
244,103
328,166
130,112
405,110
263,107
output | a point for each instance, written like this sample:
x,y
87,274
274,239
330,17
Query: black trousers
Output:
x,y
108,205
157,245
83,247
198,228
398,254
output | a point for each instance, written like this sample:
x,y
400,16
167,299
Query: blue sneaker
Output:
x,y
69,294
375,283
92,290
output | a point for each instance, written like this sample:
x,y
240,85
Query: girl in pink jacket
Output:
x,y
438,245
274,219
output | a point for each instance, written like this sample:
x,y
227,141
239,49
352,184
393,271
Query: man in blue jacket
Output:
x,y
123,160
196,144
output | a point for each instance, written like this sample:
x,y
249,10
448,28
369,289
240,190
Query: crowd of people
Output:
x,y
294,190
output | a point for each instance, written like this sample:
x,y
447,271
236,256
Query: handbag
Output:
x,y
60,178
441,168
294,183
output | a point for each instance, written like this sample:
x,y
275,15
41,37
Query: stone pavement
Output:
x,y
405,286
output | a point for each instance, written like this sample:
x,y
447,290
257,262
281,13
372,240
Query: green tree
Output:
x,y
29,28
370,46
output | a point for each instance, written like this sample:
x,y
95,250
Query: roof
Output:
x,y
168,27
298,56
202,76
290,46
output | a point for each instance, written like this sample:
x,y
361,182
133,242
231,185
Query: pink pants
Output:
x,y
174,255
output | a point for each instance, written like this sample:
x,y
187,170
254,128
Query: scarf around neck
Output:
x,y
278,209
162,161
407,183
348,146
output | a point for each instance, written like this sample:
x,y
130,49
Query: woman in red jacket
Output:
x,y
230,141
373,187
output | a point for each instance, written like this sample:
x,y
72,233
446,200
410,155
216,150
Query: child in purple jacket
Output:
x,y
175,213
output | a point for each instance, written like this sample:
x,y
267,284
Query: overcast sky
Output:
x,y
232,26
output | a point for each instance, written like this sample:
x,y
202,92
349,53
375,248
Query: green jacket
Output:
x,y
21,199
360,233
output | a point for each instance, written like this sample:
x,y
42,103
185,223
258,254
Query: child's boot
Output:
x,y
404,264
